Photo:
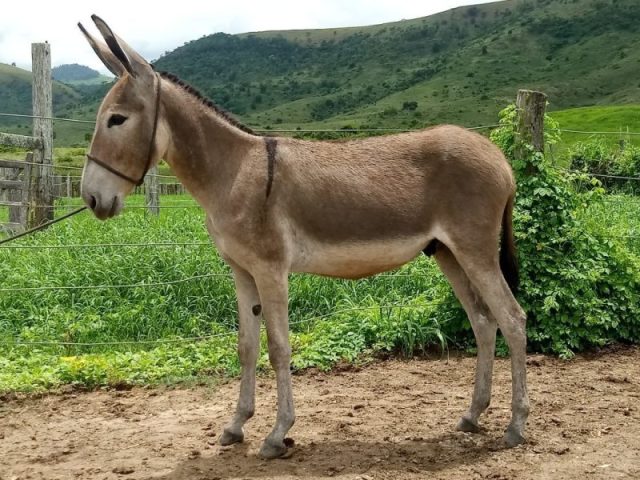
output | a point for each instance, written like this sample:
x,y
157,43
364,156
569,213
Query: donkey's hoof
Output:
x,y
512,438
230,437
271,450
466,425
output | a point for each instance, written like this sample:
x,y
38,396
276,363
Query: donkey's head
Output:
x,y
126,142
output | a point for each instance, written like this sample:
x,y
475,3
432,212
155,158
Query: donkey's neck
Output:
x,y
205,150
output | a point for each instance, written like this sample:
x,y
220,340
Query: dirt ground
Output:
x,y
389,420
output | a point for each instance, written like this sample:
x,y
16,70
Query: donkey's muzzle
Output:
x,y
103,208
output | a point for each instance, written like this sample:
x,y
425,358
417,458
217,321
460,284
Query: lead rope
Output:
x,y
43,226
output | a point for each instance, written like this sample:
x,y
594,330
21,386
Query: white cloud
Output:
x,y
154,30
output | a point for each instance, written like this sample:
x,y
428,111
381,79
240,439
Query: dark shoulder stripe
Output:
x,y
272,145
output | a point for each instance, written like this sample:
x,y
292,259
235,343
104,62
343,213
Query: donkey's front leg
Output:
x,y
249,315
273,288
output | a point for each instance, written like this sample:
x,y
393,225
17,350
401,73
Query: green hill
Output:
x,y
78,75
461,66
15,97
609,124
73,72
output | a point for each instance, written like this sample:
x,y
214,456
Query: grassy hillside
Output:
x,y
459,66
15,97
618,119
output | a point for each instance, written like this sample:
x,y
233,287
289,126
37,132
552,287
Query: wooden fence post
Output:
x,y
151,191
530,107
15,212
42,181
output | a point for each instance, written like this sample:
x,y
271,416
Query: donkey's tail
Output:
x,y
508,257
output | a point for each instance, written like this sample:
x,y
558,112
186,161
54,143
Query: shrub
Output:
x,y
579,288
599,157
410,106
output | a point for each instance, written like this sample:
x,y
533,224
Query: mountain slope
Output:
x,y
459,66
15,97
75,74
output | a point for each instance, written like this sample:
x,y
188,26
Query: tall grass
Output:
x,y
331,320
127,311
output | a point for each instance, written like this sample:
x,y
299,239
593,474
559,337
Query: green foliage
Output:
x,y
202,307
579,287
320,78
617,119
458,65
74,73
598,156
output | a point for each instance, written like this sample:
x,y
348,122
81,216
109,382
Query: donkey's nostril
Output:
x,y
93,203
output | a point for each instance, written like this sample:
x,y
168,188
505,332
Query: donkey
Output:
x,y
341,209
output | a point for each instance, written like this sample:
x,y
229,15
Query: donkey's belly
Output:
x,y
357,259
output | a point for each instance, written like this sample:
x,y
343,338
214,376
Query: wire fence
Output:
x,y
233,333
341,130
190,204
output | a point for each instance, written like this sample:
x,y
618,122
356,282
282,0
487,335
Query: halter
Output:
x,y
151,145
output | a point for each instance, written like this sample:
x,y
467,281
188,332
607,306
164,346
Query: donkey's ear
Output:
x,y
102,51
132,61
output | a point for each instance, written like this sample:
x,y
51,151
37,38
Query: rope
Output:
x,y
599,175
73,167
347,130
43,226
617,177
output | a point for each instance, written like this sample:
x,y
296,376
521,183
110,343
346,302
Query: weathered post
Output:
x,y
151,191
69,190
42,182
15,195
530,107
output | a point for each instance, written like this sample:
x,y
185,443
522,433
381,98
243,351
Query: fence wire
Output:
x,y
18,343
328,130
190,204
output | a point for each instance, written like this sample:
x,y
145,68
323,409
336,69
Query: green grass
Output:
x,y
459,66
616,119
616,218
100,80
202,307
332,320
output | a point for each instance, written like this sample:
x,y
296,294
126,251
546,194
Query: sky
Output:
x,y
153,30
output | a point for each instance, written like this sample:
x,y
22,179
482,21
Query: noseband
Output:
x,y
152,142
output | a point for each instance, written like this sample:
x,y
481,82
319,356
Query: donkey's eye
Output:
x,y
116,120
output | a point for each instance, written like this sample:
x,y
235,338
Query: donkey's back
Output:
x,y
365,206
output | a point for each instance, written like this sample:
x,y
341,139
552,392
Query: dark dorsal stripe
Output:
x,y
222,113
272,145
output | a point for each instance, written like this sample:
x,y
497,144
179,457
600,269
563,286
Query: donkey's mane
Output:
x,y
222,113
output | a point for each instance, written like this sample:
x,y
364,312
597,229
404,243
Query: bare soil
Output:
x,y
388,420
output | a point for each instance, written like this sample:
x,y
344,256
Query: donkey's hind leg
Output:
x,y
249,315
484,327
484,272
